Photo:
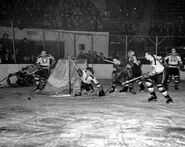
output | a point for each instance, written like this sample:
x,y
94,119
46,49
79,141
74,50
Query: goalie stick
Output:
x,y
73,63
111,85
4,79
77,69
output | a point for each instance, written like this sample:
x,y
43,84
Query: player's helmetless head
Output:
x,y
131,53
148,56
43,53
173,50
89,71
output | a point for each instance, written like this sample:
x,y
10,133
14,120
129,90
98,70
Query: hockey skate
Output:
x,y
152,99
176,87
37,89
124,89
169,99
112,89
142,88
132,91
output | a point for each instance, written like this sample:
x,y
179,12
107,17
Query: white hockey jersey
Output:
x,y
45,61
89,78
173,61
156,64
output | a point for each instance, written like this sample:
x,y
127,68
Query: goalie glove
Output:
x,y
182,67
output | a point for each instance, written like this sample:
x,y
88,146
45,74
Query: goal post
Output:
x,y
62,77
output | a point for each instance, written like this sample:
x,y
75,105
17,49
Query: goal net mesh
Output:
x,y
62,77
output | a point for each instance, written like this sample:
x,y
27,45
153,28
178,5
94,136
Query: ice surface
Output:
x,y
115,120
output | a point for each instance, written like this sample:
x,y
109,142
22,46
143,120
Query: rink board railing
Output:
x,y
102,71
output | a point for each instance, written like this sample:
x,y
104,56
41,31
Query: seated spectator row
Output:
x,y
169,29
168,18
71,14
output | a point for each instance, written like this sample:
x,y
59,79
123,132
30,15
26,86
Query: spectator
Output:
x,y
101,58
7,59
95,57
1,50
89,56
81,55
5,41
1,59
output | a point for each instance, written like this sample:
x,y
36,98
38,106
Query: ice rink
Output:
x,y
115,120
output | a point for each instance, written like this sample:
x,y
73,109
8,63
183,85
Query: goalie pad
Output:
x,y
77,87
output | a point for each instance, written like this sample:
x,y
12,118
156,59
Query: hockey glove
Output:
x,y
101,91
147,75
182,68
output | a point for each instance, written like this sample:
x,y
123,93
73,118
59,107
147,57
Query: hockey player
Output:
x,y
44,62
24,76
173,62
121,73
136,69
87,77
156,76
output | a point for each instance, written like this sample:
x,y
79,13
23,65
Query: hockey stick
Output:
x,y
4,79
132,80
114,80
108,61
124,83
77,69
108,89
73,63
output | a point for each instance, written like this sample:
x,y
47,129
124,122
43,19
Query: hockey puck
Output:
x,y
29,98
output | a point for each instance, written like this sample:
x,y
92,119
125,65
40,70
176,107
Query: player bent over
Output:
x,y
120,74
174,62
136,69
87,77
44,62
156,77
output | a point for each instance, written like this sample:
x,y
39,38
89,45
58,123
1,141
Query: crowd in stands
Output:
x,y
128,29
80,15
66,14
167,29
6,55
83,15
28,13
168,18
92,57
24,52
132,9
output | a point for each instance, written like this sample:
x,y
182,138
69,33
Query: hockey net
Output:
x,y
62,77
